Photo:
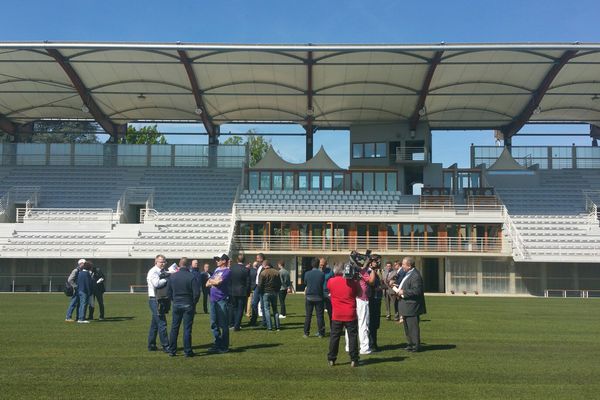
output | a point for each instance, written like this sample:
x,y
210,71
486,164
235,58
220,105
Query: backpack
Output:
x,y
68,290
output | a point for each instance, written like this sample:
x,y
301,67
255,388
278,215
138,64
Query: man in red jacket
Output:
x,y
343,302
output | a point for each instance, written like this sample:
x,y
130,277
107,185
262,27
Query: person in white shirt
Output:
x,y
158,323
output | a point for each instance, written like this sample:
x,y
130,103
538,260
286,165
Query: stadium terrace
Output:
x,y
519,220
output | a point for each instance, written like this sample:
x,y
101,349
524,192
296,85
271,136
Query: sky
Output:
x,y
316,21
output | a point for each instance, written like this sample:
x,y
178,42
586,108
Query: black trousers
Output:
x,y
282,296
327,305
318,307
238,304
205,293
100,301
374,320
412,331
337,331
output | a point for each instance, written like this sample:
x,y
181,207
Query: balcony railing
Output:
x,y
344,244
411,154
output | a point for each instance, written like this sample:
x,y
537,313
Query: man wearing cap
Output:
x,y
220,284
74,303
158,323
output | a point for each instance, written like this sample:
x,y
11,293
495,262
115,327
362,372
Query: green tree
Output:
x,y
144,135
257,145
65,132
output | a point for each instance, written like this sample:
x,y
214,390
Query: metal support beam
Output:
x,y
310,111
200,106
416,115
6,125
537,96
101,118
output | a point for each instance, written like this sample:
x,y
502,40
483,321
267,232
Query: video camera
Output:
x,y
358,261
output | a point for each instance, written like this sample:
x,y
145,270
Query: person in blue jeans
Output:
x,y
158,322
85,289
74,303
184,294
270,283
220,287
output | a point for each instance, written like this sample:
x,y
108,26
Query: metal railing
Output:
x,y
591,208
351,209
411,154
134,195
564,293
376,244
148,215
518,246
54,215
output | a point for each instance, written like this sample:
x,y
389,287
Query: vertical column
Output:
x,y
309,140
573,156
148,155
479,275
543,277
575,275
44,272
549,157
13,271
108,274
441,275
213,143
448,273
512,282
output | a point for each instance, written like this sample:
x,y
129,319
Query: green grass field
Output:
x,y
475,348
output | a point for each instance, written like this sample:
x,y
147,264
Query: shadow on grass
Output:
x,y
114,319
437,347
379,360
240,349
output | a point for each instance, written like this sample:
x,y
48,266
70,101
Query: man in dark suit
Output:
x,y
240,290
412,303
184,293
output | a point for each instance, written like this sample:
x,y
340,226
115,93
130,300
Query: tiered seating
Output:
x,y
191,189
190,234
551,218
320,203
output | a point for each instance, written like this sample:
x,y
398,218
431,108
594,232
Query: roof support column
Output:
x,y
213,144
310,111
309,140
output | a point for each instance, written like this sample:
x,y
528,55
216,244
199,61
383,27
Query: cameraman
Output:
x,y
366,278
343,293
158,324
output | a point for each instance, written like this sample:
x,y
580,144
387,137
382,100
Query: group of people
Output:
x,y
86,283
230,288
356,305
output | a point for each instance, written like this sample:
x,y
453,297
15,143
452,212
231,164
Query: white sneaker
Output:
x,y
368,351
282,317
83,322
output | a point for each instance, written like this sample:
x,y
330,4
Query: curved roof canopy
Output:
x,y
462,86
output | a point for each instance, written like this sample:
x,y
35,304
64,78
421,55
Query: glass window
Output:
x,y
392,230
419,230
253,181
448,180
315,181
368,181
392,183
406,228
338,181
277,180
244,229
259,229
357,150
369,150
327,181
265,181
357,181
380,181
302,181
288,180
380,150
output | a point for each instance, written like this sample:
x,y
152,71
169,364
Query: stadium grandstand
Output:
x,y
518,221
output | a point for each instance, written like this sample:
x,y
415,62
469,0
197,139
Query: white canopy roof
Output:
x,y
466,86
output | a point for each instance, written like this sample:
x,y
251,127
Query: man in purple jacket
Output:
x,y
220,284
